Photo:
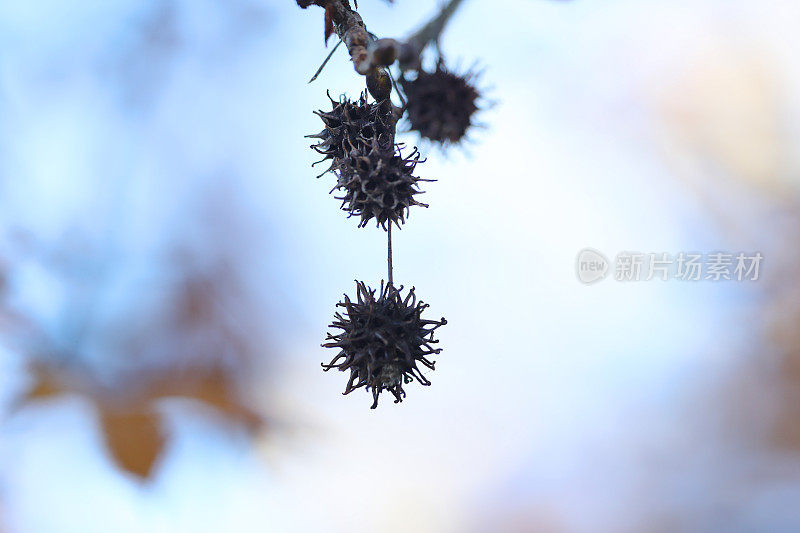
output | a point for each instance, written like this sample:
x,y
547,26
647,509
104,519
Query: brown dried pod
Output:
x,y
378,183
382,340
353,124
441,105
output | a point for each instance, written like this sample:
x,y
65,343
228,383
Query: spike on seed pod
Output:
x,y
382,340
441,105
378,183
353,124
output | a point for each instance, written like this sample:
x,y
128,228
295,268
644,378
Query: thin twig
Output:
x,y
389,240
432,31
322,66
384,52
397,90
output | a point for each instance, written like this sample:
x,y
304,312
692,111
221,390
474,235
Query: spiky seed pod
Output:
x,y
378,183
441,104
354,124
382,340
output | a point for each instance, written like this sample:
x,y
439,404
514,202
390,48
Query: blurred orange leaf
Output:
x,y
45,385
131,427
134,439
212,387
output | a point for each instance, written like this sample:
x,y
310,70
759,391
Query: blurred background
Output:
x,y
169,265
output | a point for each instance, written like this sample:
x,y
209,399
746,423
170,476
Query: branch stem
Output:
x,y
389,254
432,31
369,56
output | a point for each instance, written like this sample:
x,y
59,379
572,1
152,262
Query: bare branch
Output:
x,y
384,52
368,56
432,31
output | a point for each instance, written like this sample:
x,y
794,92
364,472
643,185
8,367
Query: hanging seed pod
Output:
x,y
378,183
354,124
382,340
441,105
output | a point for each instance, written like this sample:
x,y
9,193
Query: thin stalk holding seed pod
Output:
x,y
389,254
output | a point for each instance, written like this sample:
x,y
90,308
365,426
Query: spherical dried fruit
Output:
x,y
382,340
441,105
378,183
354,124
